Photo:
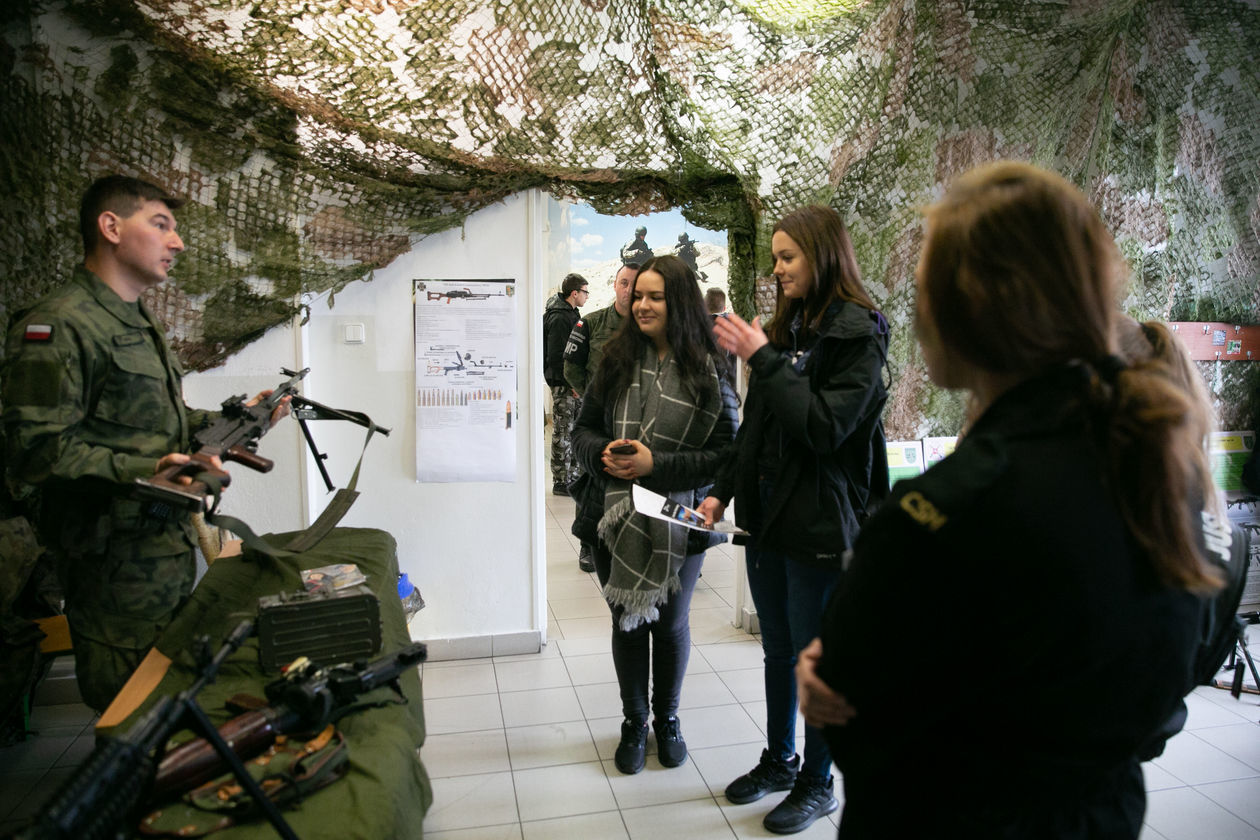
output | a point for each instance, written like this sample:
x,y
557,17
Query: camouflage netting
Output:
x,y
317,139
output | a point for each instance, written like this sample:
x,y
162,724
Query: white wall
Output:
x,y
476,550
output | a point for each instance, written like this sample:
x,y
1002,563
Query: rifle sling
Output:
x,y
309,538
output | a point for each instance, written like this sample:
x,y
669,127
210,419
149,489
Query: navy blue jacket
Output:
x,y
1006,644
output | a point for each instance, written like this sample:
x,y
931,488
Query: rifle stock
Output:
x,y
305,700
194,763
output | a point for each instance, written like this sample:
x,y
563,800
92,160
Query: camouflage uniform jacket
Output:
x,y
92,398
586,345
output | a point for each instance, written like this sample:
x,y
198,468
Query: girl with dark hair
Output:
x,y
1058,551
660,412
811,460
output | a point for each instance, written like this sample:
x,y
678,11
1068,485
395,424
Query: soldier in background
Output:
x,y
715,302
637,251
558,320
93,400
583,352
688,253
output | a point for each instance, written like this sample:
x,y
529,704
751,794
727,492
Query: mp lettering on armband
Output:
x,y
922,511
38,332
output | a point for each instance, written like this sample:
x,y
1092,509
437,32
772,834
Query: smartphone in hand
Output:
x,y
623,449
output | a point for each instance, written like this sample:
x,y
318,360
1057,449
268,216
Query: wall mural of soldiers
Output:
x,y
687,252
637,250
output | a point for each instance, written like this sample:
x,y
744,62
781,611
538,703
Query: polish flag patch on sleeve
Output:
x,y
38,332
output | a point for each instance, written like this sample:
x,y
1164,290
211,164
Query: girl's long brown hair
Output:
x,y
1022,276
824,242
688,327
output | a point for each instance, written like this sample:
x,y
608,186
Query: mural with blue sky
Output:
x,y
596,239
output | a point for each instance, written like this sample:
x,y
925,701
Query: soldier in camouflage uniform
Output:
x,y
558,319
92,401
585,348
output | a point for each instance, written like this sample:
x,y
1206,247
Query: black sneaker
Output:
x,y
630,753
769,775
671,749
559,489
811,798
585,561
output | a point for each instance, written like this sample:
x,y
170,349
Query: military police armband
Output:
x,y
922,511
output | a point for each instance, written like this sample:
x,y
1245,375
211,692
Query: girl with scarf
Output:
x,y
811,461
662,396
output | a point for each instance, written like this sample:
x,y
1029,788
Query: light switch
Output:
x,y
355,334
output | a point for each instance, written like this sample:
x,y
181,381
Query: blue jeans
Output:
x,y
660,648
790,597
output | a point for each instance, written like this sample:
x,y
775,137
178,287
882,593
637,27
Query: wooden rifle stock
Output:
x,y
194,763
252,460
306,699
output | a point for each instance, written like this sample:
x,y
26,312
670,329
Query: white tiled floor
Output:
x,y
520,747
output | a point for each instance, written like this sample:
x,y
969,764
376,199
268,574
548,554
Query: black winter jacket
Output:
x,y
671,471
834,463
1018,522
558,321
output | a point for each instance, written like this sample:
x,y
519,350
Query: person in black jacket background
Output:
x,y
661,394
811,459
558,320
1057,551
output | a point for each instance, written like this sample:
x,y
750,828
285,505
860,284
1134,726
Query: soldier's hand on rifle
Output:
x,y
280,412
178,459
821,705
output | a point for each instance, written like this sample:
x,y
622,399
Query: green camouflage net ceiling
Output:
x,y
318,139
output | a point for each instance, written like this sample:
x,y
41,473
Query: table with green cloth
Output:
x,y
386,792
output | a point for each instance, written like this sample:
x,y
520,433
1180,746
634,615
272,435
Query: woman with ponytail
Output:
x,y
1017,622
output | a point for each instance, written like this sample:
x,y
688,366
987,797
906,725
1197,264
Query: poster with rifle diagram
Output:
x,y
465,380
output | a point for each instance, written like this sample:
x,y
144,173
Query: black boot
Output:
x,y
811,797
586,562
769,775
629,757
671,749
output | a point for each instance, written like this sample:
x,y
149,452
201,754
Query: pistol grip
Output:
x,y
250,459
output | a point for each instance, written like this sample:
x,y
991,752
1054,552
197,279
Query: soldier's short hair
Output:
x,y
572,282
120,195
715,301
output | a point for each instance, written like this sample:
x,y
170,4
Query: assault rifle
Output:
x,y
234,436
101,799
304,701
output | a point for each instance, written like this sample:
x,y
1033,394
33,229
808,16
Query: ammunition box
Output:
x,y
326,627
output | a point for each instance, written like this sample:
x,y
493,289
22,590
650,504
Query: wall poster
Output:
x,y
465,380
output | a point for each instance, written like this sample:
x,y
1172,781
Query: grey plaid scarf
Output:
x,y
647,553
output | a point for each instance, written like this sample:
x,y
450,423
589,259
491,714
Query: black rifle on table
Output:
x,y
234,436
101,800
304,701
